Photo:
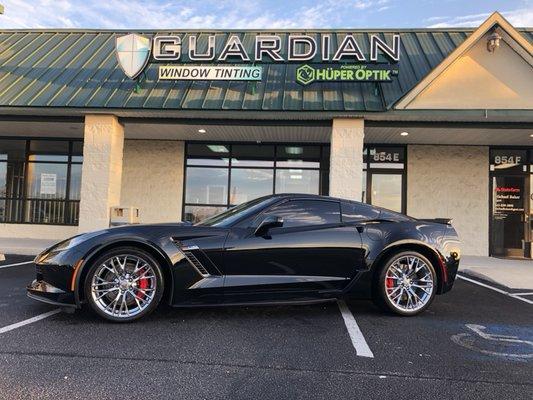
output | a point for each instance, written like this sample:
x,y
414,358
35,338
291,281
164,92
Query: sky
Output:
x,y
258,14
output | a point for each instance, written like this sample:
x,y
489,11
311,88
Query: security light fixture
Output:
x,y
404,134
294,150
218,148
493,41
201,130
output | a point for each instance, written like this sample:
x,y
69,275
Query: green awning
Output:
x,y
78,69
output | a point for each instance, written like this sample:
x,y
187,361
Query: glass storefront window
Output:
x,y
298,156
77,152
40,181
75,182
253,170
252,156
207,185
196,214
47,181
12,150
208,154
248,184
297,181
49,150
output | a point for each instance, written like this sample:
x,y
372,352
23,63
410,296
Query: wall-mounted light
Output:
x,y
404,134
294,150
201,130
216,148
493,41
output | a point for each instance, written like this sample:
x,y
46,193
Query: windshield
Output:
x,y
228,217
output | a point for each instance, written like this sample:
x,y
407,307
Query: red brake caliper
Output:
x,y
143,284
389,282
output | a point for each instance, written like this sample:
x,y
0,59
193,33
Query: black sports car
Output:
x,y
287,248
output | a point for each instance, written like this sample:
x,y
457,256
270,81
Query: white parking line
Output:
x,y
513,295
14,265
29,321
358,340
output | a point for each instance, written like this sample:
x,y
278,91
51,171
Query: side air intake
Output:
x,y
197,264
187,252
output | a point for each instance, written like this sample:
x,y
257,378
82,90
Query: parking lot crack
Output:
x,y
374,374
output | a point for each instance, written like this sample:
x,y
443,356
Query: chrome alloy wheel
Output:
x,y
123,286
409,283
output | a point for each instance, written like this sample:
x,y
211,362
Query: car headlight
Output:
x,y
64,245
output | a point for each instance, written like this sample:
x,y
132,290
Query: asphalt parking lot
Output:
x,y
472,343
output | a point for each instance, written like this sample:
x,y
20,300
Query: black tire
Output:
x,y
132,254
379,292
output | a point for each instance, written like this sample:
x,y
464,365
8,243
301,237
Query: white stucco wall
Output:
x,y
452,181
346,158
152,179
103,143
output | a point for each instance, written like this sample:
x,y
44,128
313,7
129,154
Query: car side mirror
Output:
x,y
268,223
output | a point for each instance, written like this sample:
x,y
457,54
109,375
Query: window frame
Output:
x,y
323,182
368,171
25,199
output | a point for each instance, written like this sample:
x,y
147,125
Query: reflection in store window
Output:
x,y
196,214
297,181
387,191
253,170
248,184
206,185
40,181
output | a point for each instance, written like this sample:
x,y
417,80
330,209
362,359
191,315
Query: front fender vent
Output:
x,y
189,255
194,261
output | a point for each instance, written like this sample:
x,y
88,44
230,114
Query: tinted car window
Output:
x,y
352,212
306,212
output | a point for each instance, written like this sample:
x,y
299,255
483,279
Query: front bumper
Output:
x,y
45,292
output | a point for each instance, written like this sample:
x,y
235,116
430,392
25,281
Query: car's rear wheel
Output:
x,y
406,284
124,284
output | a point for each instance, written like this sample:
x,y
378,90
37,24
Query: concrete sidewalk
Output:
x,y
26,247
513,274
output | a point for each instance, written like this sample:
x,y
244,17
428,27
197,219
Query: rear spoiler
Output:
x,y
444,221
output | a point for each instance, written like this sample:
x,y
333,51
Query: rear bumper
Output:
x,y
45,292
450,271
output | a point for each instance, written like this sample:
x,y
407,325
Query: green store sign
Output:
x,y
306,74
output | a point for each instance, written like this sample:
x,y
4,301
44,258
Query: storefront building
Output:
x,y
184,124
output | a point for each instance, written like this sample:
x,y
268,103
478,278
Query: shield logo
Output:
x,y
133,52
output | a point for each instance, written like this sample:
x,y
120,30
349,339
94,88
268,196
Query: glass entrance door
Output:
x,y
386,190
508,215
384,177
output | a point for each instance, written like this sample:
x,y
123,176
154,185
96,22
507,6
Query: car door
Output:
x,y
313,251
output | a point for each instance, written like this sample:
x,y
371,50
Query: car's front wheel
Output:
x,y
406,284
124,284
